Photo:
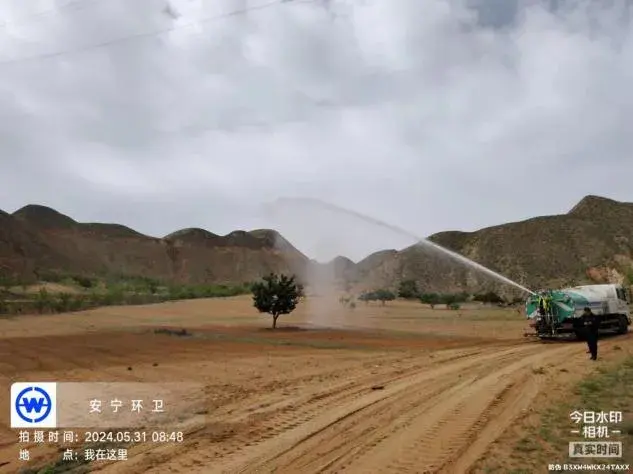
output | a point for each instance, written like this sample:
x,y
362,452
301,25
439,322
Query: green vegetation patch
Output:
x,y
546,440
112,290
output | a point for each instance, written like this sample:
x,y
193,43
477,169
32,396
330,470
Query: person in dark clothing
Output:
x,y
592,326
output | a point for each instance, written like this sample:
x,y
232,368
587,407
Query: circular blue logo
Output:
x,y
39,401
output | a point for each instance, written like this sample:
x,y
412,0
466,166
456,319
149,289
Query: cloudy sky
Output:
x,y
431,115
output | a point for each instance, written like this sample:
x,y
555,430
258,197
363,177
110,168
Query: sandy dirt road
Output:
x,y
432,414
420,392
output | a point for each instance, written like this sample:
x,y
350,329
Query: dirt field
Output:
x,y
394,389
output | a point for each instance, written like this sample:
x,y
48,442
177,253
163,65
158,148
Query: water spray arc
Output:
x,y
420,241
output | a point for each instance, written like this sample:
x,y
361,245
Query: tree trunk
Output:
x,y
275,316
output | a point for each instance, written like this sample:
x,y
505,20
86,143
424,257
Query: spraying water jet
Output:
x,y
553,313
420,241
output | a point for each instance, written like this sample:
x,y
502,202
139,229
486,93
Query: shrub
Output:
x,y
408,289
431,299
489,297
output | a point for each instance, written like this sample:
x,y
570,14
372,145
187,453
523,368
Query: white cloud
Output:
x,y
432,115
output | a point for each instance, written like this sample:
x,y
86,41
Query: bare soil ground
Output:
x,y
400,388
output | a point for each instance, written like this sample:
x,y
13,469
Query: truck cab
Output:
x,y
614,311
624,300
623,295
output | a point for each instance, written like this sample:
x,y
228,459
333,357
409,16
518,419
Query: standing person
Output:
x,y
592,327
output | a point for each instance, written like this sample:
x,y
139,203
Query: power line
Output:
x,y
125,39
320,104
42,13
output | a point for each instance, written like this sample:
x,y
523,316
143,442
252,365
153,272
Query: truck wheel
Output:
x,y
623,325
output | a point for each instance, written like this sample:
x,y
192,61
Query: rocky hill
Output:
x,y
593,242
36,240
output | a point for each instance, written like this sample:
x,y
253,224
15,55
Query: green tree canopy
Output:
x,y
431,299
377,295
408,289
276,295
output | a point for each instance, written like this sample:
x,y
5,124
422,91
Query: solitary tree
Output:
x,y
276,295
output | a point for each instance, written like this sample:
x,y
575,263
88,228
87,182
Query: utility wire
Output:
x,y
25,18
125,39
253,125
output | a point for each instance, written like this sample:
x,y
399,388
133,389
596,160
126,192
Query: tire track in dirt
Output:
x,y
443,432
394,421
381,422
289,413
491,425
300,450
348,418
380,428
357,383
455,432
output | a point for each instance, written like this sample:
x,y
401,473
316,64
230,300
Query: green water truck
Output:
x,y
558,313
